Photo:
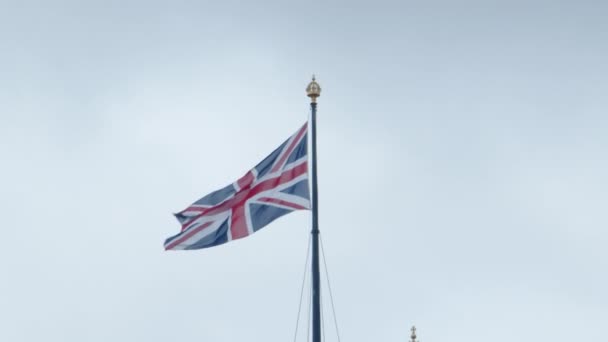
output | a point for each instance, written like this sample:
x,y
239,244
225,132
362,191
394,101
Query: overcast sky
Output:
x,y
463,168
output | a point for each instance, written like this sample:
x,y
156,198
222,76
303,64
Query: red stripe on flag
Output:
x,y
281,202
246,180
238,225
187,235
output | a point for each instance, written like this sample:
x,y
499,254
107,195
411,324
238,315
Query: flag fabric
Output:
x,y
275,187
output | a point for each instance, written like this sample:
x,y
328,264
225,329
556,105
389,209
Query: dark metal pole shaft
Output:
x,y
316,283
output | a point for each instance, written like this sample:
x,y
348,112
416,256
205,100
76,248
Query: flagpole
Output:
x,y
313,91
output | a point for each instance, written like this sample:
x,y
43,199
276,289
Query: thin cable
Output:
x,y
322,316
331,297
309,313
295,336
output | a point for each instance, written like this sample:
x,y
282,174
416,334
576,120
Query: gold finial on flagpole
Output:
x,y
313,90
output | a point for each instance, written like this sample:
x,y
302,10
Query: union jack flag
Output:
x,y
275,187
